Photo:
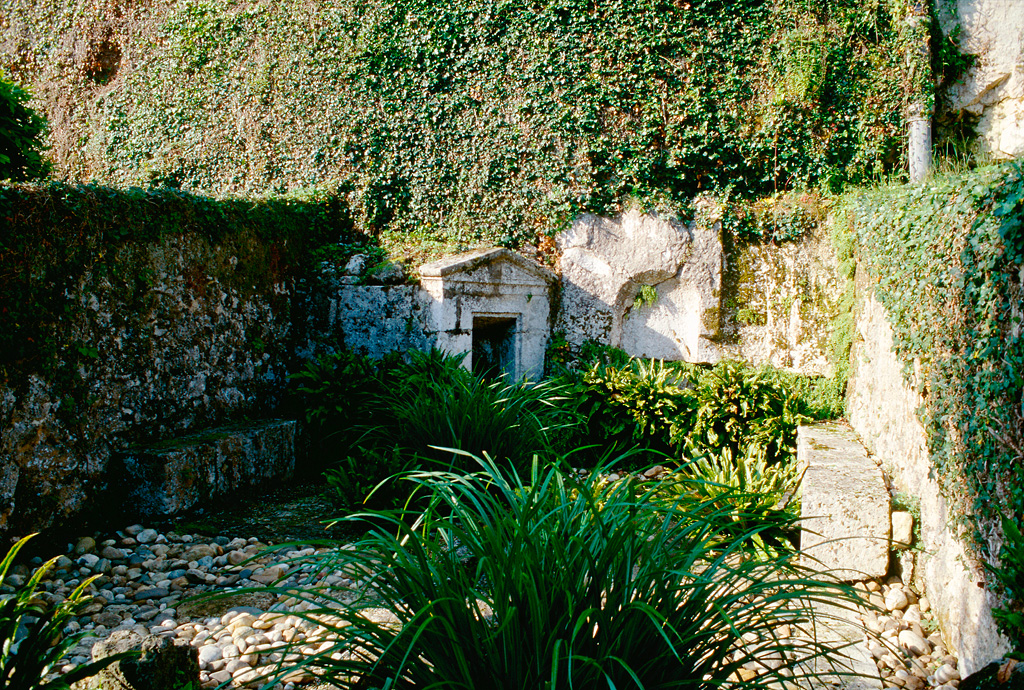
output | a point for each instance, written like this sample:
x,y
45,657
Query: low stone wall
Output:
x,y
171,348
881,407
372,320
845,518
186,473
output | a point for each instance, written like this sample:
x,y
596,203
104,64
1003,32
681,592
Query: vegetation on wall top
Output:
x,y
471,120
945,259
54,234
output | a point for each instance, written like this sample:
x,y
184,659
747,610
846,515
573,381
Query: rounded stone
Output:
x,y
946,673
84,545
914,643
896,599
209,654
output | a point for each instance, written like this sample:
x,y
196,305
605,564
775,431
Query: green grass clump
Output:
x,y
553,582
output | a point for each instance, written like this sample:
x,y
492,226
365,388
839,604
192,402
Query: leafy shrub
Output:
x,y
683,409
339,394
750,411
21,136
32,637
747,487
382,418
435,403
550,582
635,403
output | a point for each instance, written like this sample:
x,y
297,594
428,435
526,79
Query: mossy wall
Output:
x,y
780,303
133,317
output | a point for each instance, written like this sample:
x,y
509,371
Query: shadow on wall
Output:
x,y
493,304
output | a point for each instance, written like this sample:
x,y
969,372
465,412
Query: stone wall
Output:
x,y
779,302
993,89
372,320
453,294
881,407
172,348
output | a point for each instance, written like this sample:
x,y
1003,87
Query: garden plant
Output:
x,y
551,581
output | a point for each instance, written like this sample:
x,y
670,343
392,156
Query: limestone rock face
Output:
x,y
605,265
845,504
779,303
993,89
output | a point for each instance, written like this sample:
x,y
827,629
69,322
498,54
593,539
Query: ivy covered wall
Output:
x,y
468,120
937,389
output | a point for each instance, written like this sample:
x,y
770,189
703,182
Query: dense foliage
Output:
x,y
475,119
21,136
945,259
374,419
688,410
731,423
32,634
546,581
56,234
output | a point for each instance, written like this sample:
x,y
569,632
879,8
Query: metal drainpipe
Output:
x,y
921,106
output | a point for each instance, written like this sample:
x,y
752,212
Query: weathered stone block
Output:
x,y
161,664
176,476
845,504
902,530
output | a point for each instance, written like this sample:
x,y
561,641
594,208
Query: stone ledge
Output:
x,y
845,505
175,476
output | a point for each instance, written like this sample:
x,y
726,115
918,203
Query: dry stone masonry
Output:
x,y
172,350
881,407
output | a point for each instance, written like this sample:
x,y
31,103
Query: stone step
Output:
x,y
845,525
845,532
185,473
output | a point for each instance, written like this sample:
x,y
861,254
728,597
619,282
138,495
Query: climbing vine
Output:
x,y
492,121
946,262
